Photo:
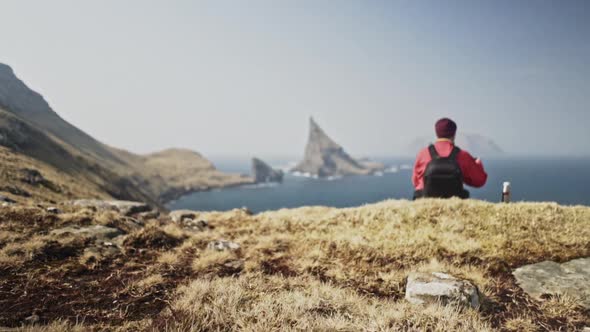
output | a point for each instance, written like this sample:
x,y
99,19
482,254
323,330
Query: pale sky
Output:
x,y
243,77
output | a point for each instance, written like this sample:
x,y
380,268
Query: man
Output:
x,y
442,168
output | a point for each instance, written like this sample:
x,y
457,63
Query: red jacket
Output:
x,y
473,173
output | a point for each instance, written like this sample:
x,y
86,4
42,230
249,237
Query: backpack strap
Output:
x,y
454,153
433,154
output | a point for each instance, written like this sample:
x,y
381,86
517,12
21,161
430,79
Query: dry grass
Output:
x,y
271,303
314,268
63,187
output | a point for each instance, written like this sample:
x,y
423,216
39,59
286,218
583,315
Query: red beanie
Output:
x,y
445,128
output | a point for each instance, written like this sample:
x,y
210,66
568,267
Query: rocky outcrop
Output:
x,y
124,207
571,278
262,172
323,157
180,215
7,200
222,245
98,232
441,288
188,220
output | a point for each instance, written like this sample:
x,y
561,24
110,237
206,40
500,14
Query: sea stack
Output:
x,y
324,157
262,172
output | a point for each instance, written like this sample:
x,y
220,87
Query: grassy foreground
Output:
x,y
312,268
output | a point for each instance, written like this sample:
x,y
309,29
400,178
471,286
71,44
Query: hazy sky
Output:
x,y
242,77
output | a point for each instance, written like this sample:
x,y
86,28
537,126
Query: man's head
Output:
x,y
445,128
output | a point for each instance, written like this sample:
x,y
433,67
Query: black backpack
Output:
x,y
443,177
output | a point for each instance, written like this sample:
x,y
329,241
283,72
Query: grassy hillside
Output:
x,y
172,173
28,126
58,186
312,268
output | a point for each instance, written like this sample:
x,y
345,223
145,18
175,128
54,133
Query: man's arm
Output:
x,y
418,169
474,174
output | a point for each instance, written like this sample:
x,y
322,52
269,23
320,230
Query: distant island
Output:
x,y
263,173
476,144
324,158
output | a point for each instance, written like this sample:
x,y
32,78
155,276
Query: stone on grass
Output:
x,y
127,224
15,191
195,225
98,232
95,254
236,265
437,287
570,278
126,208
221,245
5,199
180,215
153,214
52,209
32,176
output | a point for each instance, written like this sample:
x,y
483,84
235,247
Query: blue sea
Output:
x,y
565,181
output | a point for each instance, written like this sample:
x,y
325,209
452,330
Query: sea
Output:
x,y
562,180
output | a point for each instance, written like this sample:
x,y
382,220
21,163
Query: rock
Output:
x,y
97,254
52,209
441,287
127,224
118,240
200,225
4,199
188,219
234,266
32,176
35,178
571,278
98,232
179,215
126,208
324,157
15,191
221,245
246,211
262,172
153,214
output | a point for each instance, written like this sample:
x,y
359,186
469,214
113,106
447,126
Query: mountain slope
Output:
x,y
28,105
29,126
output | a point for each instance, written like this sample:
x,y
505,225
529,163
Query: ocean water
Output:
x,y
565,181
